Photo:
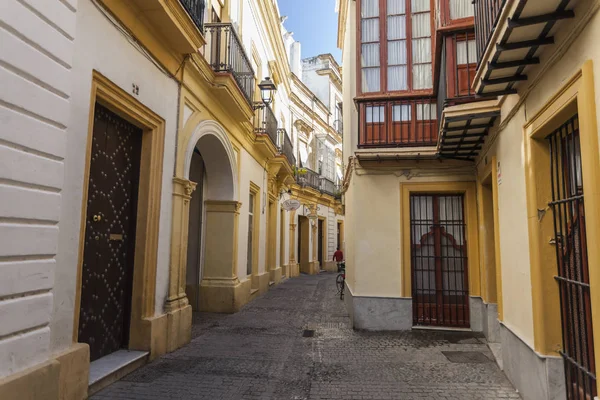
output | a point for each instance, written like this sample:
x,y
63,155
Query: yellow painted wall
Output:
x,y
514,236
508,147
374,242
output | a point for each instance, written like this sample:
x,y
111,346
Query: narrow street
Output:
x,y
261,353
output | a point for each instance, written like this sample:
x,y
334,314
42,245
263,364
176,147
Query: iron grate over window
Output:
x,y
571,255
439,260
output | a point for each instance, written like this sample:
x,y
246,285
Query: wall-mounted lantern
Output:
x,y
267,90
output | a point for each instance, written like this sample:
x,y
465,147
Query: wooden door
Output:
x,y
439,260
108,258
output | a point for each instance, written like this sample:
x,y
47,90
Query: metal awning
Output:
x,y
463,129
522,31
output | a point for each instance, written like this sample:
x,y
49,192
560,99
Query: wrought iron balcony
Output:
x,y
310,178
511,38
487,13
265,123
285,146
327,186
397,123
195,9
226,54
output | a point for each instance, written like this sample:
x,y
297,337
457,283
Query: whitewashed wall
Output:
x,y
36,56
101,47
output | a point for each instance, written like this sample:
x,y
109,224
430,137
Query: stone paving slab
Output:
x,y
260,353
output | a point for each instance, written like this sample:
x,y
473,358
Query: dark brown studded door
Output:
x,y
107,273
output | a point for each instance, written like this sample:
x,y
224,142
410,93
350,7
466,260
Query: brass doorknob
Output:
x,y
97,218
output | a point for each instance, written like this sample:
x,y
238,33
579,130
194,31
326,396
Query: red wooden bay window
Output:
x,y
461,64
457,12
398,123
396,49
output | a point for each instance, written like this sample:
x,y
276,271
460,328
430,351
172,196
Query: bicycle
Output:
x,y
340,280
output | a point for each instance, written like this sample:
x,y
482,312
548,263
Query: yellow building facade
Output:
x,y
516,141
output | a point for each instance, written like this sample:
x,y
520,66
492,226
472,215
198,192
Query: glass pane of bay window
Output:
x,y
464,52
461,9
370,30
375,114
369,8
419,6
397,52
422,76
396,7
397,78
371,81
421,51
396,27
402,113
370,55
426,112
421,25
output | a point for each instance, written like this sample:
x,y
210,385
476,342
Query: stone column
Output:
x,y
314,265
179,312
293,264
220,289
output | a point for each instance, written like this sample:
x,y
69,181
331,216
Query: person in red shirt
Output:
x,y
338,257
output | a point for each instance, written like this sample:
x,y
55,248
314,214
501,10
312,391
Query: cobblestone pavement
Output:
x,y
260,353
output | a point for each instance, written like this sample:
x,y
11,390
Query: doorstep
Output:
x,y
440,328
109,369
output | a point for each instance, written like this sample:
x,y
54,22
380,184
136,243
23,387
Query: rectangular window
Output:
x,y
421,45
466,52
397,78
461,9
395,45
465,64
426,112
249,262
370,59
375,115
402,113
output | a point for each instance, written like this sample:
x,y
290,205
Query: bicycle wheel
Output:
x,y
339,283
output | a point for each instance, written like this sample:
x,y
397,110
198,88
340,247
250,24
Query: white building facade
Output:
x,y
141,181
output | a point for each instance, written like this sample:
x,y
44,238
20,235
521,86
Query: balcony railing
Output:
x,y
313,179
226,54
285,146
327,186
397,123
195,9
310,178
265,123
487,13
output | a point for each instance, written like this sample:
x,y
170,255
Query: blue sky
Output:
x,y
314,23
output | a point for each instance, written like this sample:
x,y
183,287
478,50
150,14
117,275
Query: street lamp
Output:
x,y
267,89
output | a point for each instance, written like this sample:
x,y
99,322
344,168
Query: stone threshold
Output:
x,y
440,328
109,369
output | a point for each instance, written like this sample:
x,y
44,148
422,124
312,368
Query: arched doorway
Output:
x,y
212,219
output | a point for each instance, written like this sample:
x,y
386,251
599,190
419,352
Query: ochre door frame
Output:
x,y
576,96
148,210
490,171
468,189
